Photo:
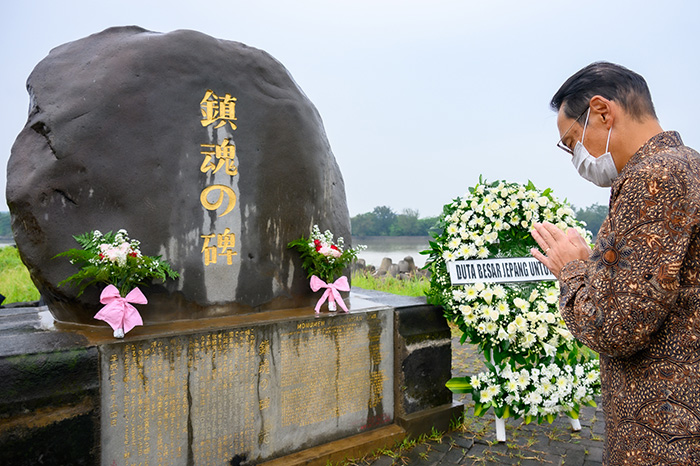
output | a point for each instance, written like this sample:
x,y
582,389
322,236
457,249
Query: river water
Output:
x,y
393,247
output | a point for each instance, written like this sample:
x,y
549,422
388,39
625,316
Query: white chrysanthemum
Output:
x,y
492,313
502,307
452,229
581,394
551,295
541,331
491,328
471,293
523,379
498,291
475,382
454,243
482,253
464,250
542,306
448,255
563,384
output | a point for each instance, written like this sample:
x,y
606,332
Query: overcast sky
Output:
x,y
418,98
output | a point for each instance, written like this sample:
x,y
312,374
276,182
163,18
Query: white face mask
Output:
x,y
600,171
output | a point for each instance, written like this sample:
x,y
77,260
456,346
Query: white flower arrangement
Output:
x,y
517,326
536,393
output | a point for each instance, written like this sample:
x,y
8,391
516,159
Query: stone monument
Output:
x,y
210,154
205,148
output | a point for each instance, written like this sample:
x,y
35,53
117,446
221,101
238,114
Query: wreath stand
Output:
x,y
501,424
501,427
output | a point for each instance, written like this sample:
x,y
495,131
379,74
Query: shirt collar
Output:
x,y
656,144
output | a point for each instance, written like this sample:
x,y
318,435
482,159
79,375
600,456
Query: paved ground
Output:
x,y
474,441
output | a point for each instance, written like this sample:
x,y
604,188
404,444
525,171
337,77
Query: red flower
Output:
x,y
317,244
133,254
333,246
101,256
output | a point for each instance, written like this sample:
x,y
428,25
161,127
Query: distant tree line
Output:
x,y
593,216
383,221
5,229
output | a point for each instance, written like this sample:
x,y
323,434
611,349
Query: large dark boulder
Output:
x,y
118,134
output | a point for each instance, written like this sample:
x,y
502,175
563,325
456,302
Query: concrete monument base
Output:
x,y
280,387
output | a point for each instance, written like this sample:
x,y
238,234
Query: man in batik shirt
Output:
x,y
636,298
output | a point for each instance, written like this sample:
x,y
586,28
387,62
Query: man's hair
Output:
x,y
614,82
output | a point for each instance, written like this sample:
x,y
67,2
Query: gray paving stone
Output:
x,y
452,457
527,444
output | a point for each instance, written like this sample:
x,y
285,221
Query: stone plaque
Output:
x,y
246,393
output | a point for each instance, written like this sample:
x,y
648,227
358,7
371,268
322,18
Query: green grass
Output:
x,y
416,286
15,283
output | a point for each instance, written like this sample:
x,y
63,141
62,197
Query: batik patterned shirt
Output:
x,y
636,301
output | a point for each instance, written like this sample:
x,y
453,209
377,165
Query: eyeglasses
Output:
x,y
561,144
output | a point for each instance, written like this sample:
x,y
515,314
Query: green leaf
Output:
x,y
459,385
499,411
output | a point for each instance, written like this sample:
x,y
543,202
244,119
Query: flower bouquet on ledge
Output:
x,y
116,260
323,259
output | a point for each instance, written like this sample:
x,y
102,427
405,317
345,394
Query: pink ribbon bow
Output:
x,y
118,312
332,291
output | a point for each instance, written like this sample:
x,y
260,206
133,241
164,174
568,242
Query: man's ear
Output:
x,y
603,109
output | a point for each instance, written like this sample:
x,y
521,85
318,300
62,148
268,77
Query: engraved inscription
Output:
x,y
333,376
254,391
